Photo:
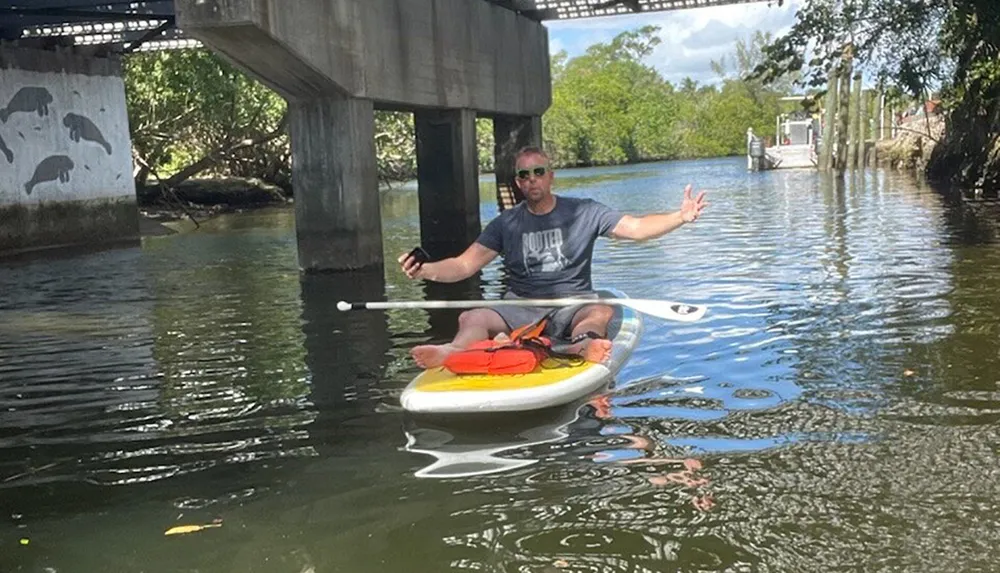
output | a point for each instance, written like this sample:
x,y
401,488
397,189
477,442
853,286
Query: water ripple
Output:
x,y
836,409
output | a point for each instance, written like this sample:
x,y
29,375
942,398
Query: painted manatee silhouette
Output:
x,y
51,168
81,127
28,99
6,151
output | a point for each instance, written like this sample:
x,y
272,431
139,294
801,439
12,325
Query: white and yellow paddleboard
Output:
x,y
440,391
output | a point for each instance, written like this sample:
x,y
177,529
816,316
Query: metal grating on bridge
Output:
x,y
127,24
117,33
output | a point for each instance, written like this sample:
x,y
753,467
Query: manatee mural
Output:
x,y
50,169
81,127
6,150
28,99
41,151
65,161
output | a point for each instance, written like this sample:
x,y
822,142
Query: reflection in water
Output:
x,y
483,445
346,352
835,409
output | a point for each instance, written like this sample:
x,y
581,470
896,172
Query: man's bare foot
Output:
x,y
432,355
595,350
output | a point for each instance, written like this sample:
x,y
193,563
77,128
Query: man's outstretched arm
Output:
x,y
449,270
657,225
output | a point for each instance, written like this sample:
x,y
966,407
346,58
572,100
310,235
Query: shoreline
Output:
x,y
207,198
203,199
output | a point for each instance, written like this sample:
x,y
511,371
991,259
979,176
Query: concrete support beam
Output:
x,y
448,180
337,215
511,133
445,54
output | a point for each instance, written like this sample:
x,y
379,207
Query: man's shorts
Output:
x,y
559,325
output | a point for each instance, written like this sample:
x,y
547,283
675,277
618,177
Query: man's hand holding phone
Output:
x,y
413,262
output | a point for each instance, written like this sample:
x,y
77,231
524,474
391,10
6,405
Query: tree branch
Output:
x,y
221,151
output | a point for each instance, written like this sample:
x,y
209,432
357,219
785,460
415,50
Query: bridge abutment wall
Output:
x,y
65,151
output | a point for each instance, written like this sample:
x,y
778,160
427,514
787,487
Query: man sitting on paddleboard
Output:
x,y
547,243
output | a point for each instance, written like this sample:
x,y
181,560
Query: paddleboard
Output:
x,y
439,391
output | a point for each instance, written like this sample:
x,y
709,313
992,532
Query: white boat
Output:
x,y
795,147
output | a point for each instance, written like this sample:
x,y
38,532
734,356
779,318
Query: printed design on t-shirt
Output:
x,y
542,251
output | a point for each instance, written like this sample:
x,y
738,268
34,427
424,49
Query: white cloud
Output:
x,y
555,45
691,38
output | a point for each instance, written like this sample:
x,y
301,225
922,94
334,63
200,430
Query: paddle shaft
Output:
x,y
660,308
458,304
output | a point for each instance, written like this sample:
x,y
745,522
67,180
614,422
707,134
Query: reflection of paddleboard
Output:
x,y
438,390
466,452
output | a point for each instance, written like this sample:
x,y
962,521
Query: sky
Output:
x,y
691,38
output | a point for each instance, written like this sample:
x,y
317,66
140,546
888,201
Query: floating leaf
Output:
x,y
182,529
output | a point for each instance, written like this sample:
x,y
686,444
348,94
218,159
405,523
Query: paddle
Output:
x,y
664,309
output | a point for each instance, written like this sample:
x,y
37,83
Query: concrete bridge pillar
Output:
x,y
448,180
337,218
446,59
511,133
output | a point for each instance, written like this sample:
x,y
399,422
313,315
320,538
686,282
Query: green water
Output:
x,y
835,410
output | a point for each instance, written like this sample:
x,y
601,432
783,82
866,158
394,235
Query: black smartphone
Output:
x,y
420,256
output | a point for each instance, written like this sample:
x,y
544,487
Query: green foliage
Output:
x,y
395,145
186,105
609,106
912,48
485,144
193,111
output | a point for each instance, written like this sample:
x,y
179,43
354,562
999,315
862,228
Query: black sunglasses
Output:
x,y
537,171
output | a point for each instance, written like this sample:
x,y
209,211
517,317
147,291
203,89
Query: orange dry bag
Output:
x,y
491,358
522,354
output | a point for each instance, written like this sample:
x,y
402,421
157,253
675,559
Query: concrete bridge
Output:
x,y
63,124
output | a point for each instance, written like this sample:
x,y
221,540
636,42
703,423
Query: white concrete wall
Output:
x,y
64,129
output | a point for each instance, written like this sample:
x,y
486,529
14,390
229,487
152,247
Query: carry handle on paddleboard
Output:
x,y
667,310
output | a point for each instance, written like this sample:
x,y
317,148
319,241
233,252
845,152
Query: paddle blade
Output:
x,y
665,309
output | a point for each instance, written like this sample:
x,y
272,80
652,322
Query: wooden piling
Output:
x,y
843,123
863,128
882,123
854,125
829,117
887,121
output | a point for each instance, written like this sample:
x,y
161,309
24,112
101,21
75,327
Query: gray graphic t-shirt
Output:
x,y
549,255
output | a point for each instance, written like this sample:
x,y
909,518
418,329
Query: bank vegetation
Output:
x,y
192,114
913,49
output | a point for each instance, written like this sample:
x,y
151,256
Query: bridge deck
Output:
x,y
149,24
